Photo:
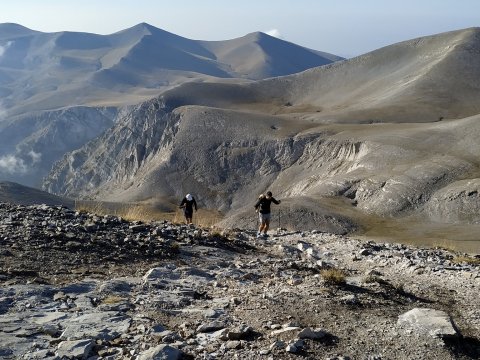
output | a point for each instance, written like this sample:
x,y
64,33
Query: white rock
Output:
x,y
433,322
284,330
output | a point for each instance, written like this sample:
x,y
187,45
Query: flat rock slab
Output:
x,y
102,325
161,352
75,349
433,322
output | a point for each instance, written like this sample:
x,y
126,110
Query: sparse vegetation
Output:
x,y
333,276
462,259
215,234
112,299
175,247
147,212
90,207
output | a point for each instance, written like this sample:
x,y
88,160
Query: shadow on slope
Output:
x,y
22,195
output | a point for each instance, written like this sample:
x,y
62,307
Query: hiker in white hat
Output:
x,y
188,203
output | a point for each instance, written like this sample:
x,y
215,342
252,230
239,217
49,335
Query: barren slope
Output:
x,y
23,195
378,148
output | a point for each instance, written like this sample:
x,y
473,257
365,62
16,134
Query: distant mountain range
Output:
x,y
60,90
41,71
389,133
145,115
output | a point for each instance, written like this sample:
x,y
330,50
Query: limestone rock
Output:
x,y
79,349
428,321
161,352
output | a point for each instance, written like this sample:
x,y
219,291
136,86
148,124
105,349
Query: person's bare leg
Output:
x,y
265,228
262,225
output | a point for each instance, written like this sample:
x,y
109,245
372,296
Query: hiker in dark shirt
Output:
x,y
188,203
263,208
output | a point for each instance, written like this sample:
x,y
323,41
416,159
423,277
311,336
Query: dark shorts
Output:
x,y
188,214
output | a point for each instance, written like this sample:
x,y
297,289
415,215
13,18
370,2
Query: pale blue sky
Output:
x,y
342,27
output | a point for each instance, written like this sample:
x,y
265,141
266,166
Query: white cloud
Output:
x,y
275,33
12,165
35,156
5,47
3,112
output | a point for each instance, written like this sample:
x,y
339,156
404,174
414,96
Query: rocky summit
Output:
x,y
75,285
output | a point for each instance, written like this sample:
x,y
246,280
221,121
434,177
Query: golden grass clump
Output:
x,y
147,212
333,276
462,259
112,299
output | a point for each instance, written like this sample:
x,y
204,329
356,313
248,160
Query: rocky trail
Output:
x,y
80,286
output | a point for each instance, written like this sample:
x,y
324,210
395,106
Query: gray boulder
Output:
x,y
428,321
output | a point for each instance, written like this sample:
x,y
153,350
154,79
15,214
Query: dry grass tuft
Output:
x,y
147,212
112,299
466,260
333,276
129,212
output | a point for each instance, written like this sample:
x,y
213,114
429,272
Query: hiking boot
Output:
x,y
265,235
259,235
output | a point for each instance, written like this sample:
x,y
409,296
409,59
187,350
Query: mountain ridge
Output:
x,y
44,56
333,132
50,72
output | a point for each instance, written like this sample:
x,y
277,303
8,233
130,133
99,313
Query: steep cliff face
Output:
x,y
30,144
117,155
188,147
229,156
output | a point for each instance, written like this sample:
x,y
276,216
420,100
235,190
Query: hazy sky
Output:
x,y
342,27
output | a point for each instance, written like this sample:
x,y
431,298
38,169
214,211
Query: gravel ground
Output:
x,y
193,293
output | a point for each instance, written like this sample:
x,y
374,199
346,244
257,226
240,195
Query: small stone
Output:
x,y
308,333
295,281
235,301
161,352
302,246
291,348
212,326
279,344
233,344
